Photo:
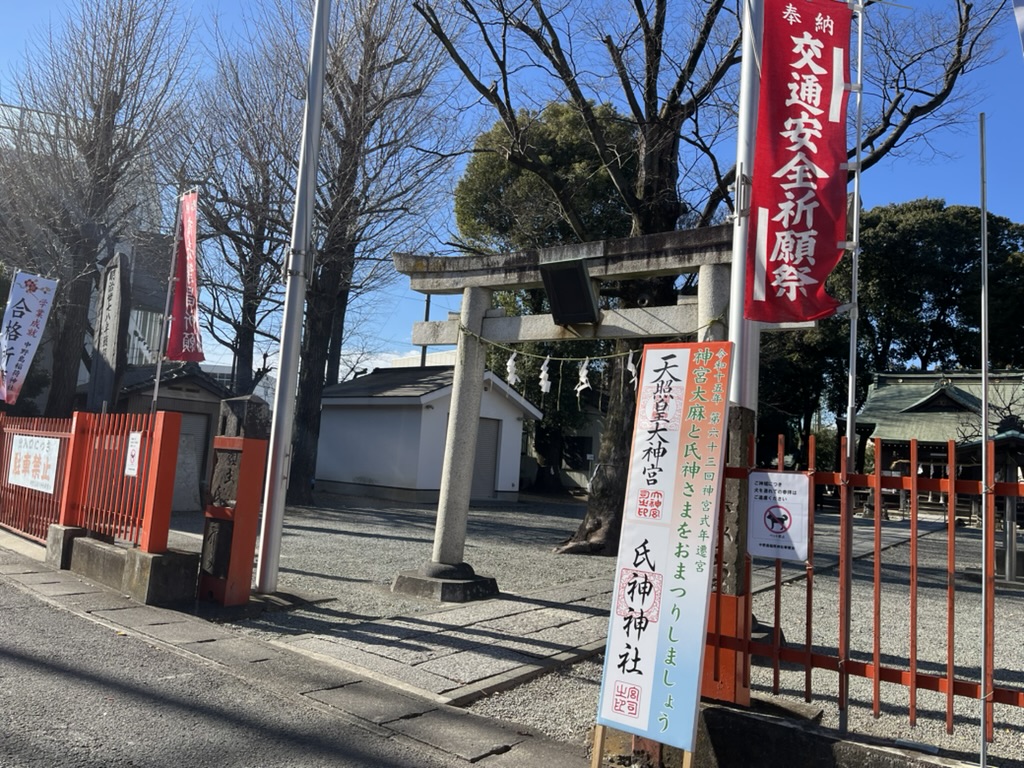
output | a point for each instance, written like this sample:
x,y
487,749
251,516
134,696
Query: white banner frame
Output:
x,y
654,658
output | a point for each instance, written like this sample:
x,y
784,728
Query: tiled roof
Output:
x,y
937,406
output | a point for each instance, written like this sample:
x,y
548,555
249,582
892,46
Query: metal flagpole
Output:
x,y
851,402
986,490
740,331
162,346
299,266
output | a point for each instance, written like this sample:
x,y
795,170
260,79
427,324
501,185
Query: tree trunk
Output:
x,y
320,315
598,533
68,347
337,337
549,446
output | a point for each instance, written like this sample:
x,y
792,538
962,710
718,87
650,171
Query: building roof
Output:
x,y
395,382
937,406
413,386
138,378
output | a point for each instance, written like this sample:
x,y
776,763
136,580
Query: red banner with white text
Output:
x,y
184,341
798,199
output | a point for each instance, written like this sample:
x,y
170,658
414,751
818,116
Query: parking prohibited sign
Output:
x,y
778,504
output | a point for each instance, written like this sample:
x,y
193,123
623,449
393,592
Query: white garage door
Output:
x,y
485,467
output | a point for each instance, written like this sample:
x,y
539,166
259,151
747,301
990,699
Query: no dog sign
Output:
x,y
777,525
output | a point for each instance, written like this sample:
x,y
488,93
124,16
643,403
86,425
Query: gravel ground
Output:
x,y
364,544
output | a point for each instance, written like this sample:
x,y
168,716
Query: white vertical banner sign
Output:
x,y
28,308
656,634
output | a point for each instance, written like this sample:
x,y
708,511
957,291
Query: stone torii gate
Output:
x,y
707,251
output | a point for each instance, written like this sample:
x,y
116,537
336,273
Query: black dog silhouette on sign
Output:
x,y
777,519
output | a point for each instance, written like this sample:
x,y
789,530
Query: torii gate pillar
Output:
x,y
446,577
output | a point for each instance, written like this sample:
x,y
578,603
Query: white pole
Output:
x,y
740,331
296,275
171,278
851,396
986,490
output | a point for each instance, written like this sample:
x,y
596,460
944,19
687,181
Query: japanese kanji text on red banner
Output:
x,y
656,634
184,341
798,203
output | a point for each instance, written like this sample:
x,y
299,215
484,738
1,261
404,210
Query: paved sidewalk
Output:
x,y
353,697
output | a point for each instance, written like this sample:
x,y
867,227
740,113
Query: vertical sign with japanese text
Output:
x,y
656,634
798,203
28,308
185,341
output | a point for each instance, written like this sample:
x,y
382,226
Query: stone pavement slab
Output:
x,y
533,753
34,577
138,616
183,632
468,736
232,651
478,664
373,666
65,587
365,700
294,674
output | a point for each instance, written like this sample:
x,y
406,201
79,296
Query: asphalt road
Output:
x,y
76,693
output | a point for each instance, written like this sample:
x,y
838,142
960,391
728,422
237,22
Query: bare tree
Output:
x,y
383,168
103,88
672,68
240,152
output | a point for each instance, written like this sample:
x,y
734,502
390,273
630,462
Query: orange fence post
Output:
x,y
163,461
75,463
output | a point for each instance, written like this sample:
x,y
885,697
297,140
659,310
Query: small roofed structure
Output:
x,y
383,435
934,407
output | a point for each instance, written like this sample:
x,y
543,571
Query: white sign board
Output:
x,y
34,462
132,455
777,521
656,635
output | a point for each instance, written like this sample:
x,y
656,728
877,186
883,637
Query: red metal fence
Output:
x,y
868,644
31,502
112,474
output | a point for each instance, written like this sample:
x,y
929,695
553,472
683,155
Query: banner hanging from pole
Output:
x,y
798,199
185,341
657,630
28,308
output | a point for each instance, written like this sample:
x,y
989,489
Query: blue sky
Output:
x,y
956,178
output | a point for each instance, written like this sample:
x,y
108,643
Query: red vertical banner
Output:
x,y
798,202
184,341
